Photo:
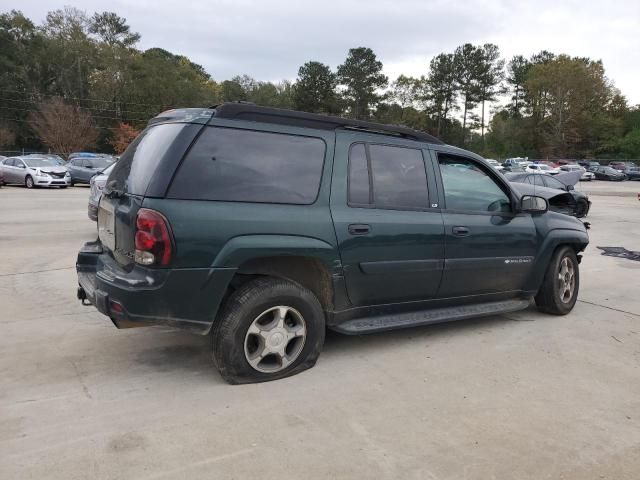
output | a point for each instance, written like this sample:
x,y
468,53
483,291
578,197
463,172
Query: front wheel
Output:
x,y
559,291
268,329
28,182
582,208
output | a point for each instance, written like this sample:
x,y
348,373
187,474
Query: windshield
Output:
x,y
610,170
39,162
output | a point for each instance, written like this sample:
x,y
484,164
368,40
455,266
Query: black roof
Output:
x,y
256,113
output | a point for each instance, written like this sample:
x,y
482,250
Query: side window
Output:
x,y
9,162
359,191
469,188
229,164
19,163
397,178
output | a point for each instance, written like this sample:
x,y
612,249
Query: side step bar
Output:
x,y
425,317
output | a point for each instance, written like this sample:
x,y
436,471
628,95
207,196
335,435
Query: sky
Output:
x,y
269,40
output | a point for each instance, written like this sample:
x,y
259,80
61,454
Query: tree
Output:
x,y
574,119
404,92
123,136
468,63
517,71
490,76
63,128
441,87
361,76
315,89
7,137
112,30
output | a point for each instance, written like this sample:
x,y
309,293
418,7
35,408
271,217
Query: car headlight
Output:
x,y
42,174
67,174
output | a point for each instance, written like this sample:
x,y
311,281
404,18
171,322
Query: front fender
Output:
x,y
552,240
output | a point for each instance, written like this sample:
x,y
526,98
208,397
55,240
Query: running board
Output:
x,y
426,317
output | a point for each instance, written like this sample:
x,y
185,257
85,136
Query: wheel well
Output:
x,y
308,272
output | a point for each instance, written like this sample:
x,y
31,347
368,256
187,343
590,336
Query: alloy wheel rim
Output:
x,y
29,183
275,339
566,280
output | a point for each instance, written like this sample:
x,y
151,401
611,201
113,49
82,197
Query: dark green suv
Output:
x,y
263,227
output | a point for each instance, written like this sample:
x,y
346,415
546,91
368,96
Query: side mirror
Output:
x,y
21,166
533,204
570,187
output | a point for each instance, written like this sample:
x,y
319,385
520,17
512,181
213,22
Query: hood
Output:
x,y
544,192
570,178
51,168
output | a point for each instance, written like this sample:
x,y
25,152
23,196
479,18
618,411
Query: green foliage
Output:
x,y
315,89
361,76
559,106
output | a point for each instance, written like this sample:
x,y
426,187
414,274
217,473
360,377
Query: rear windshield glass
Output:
x,y
227,164
132,173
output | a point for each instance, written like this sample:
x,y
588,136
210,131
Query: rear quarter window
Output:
x,y
228,164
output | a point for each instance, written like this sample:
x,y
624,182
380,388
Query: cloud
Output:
x,y
270,40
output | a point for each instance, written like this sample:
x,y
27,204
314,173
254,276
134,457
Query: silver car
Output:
x,y
35,171
97,182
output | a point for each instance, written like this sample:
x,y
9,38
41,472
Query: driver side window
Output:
x,y
469,188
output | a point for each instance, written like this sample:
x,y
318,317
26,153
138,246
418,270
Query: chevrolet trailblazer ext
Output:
x,y
263,227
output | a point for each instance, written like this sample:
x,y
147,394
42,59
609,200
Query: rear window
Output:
x,y
228,164
132,173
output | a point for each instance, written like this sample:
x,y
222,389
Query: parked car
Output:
x,y
541,168
580,199
586,175
34,171
97,183
264,226
514,169
83,168
621,166
2,159
608,173
495,164
588,164
632,173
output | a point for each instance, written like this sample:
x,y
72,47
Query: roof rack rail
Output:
x,y
256,113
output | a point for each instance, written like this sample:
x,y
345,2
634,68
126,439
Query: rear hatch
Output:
x,y
144,170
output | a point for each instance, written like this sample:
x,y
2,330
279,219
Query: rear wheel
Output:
x,y
268,329
559,291
28,182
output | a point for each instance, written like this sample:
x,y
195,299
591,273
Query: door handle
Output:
x,y
359,229
460,231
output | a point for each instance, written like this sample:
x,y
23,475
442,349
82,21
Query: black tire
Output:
x,y
548,298
28,182
582,208
247,304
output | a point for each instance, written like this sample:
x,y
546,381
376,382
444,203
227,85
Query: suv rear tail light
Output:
x,y
154,242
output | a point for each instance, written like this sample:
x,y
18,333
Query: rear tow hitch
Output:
x,y
82,296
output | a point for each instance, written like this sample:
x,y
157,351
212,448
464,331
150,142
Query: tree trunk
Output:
x,y
464,122
482,126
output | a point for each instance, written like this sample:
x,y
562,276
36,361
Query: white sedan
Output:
x,y
586,175
495,164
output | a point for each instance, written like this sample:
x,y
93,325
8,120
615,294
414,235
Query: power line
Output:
x,y
26,121
94,116
96,109
163,105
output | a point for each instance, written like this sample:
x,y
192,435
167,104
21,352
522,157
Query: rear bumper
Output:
x,y
184,298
